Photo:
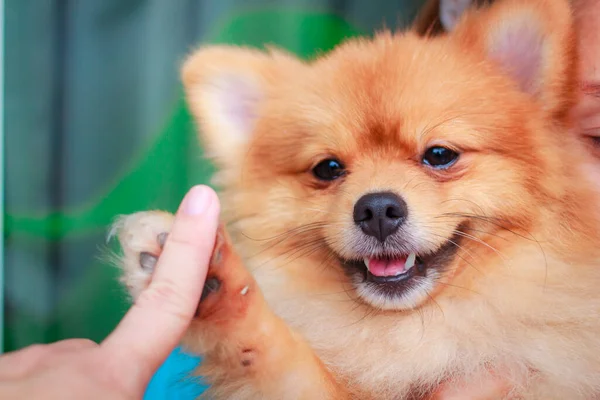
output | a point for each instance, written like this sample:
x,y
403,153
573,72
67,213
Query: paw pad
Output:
x,y
248,357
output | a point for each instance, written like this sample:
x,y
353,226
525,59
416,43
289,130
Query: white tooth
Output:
x,y
366,260
410,261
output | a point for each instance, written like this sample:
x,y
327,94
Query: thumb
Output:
x,y
156,322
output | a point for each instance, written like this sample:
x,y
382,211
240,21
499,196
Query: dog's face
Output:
x,y
392,159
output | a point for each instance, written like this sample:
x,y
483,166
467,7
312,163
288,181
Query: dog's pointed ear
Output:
x,y
533,42
226,88
451,11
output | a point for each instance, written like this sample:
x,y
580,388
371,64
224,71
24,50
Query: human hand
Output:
x,y
122,365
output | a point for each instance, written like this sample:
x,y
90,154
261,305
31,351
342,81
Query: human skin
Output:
x,y
121,366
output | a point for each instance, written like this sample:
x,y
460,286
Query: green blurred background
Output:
x,y
95,126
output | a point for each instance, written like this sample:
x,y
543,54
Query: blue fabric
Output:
x,y
173,381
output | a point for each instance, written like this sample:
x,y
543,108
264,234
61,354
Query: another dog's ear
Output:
x,y
532,41
226,87
451,11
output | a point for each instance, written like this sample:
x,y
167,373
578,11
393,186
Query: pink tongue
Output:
x,y
379,267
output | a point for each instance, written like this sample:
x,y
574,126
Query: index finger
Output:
x,y
156,322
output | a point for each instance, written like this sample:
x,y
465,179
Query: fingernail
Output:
x,y
196,201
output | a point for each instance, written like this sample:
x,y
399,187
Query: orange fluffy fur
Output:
x,y
520,299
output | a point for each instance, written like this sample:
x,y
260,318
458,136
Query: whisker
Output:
x,y
457,287
312,225
477,240
460,256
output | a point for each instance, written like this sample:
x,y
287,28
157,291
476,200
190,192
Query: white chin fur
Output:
x,y
407,300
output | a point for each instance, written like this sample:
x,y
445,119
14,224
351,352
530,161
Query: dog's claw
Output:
x,y
148,261
162,239
211,285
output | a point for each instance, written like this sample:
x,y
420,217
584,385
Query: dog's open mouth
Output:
x,y
382,270
400,281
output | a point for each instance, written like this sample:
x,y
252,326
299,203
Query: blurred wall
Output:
x,y
95,127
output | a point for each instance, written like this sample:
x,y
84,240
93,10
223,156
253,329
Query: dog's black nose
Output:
x,y
380,214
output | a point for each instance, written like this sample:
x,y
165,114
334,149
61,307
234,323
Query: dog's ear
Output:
x,y
226,88
532,41
451,11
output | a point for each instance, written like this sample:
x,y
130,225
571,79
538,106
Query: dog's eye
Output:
x,y
593,136
439,157
328,170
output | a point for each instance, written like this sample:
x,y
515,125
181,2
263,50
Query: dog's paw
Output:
x,y
231,307
229,287
228,284
142,236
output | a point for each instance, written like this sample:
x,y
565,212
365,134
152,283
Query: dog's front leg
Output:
x,y
248,352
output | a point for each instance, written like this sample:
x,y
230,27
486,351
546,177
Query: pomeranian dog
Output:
x,y
401,212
